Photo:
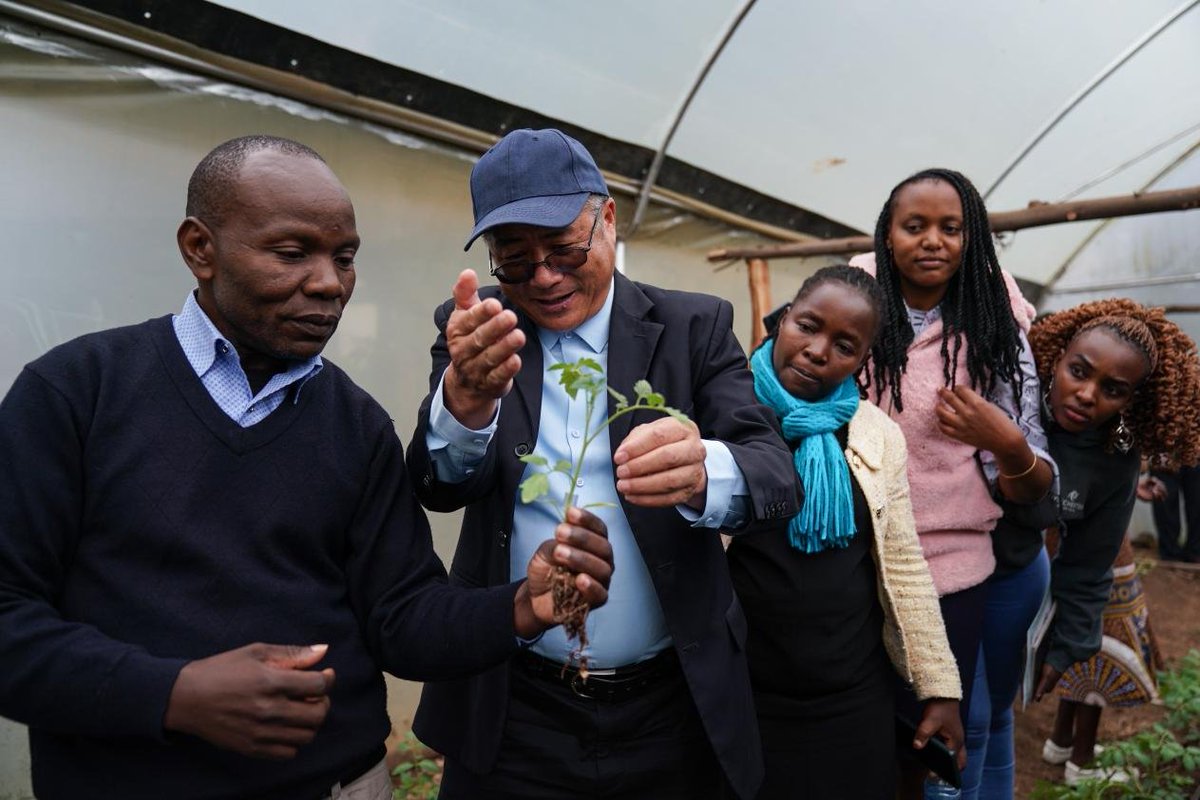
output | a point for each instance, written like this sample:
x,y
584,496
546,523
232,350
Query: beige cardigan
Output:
x,y
913,633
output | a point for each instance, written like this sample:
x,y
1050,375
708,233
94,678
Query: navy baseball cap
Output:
x,y
532,178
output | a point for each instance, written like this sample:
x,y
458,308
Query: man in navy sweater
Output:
x,y
176,494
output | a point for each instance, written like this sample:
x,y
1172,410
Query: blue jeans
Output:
x,y
1012,602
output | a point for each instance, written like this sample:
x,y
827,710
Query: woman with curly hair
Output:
x,y
952,366
1122,383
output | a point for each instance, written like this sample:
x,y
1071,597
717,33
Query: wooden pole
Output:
x,y
1036,215
760,299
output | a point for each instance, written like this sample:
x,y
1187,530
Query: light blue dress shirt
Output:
x,y
630,627
219,368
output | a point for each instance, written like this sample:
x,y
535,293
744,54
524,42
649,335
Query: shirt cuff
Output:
x,y
525,644
455,449
726,501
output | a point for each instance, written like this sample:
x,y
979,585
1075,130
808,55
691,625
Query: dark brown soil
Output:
x,y
1173,597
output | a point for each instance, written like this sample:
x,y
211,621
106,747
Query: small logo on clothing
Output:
x,y
1071,503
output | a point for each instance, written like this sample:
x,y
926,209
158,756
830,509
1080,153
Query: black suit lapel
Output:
x,y
528,384
526,397
632,340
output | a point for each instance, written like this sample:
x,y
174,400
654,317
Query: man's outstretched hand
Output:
x,y
483,340
581,545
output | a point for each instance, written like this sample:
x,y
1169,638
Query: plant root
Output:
x,y
572,611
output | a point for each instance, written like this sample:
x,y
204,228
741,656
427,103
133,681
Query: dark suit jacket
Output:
x,y
683,344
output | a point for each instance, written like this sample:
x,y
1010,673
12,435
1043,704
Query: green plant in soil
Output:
x,y
585,378
416,776
1164,760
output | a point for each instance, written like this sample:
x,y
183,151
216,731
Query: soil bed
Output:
x,y
1173,597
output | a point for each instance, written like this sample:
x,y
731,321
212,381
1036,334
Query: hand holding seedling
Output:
x,y
483,339
660,463
580,547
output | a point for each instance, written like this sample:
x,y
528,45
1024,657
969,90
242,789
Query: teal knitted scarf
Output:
x,y
826,519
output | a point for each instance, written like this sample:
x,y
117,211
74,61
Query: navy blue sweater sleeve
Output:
x,y
417,625
59,674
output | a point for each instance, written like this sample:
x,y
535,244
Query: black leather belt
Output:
x,y
606,685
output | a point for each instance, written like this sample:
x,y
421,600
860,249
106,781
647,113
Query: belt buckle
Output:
x,y
579,687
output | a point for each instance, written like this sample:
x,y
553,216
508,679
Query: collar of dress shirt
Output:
x,y
921,319
201,342
593,330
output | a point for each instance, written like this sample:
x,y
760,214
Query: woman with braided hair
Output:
x,y
953,368
1122,383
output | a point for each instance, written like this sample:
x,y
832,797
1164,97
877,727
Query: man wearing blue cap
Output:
x,y
666,710
178,494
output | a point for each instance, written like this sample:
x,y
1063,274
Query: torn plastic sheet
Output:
x,y
46,43
665,224
40,44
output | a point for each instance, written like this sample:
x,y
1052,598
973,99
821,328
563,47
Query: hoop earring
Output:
x,y
1122,436
1046,397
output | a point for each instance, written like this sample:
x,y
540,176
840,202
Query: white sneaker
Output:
x,y
1074,774
1053,754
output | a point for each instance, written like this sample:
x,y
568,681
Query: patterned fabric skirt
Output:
x,y
1122,673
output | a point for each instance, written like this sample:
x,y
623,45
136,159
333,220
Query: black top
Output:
x,y
1097,490
815,621
141,528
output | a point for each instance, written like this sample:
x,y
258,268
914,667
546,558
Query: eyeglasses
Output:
x,y
562,259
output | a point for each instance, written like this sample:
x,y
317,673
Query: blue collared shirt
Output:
x,y
630,627
219,368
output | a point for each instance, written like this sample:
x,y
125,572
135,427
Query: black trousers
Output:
x,y
840,747
1167,518
559,746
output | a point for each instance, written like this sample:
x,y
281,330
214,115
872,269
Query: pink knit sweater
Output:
x,y
952,506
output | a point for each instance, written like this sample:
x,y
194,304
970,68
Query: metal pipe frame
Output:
x,y
1088,88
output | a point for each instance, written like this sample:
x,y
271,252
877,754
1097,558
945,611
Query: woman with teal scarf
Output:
x,y
842,598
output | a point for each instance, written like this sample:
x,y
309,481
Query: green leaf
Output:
x,y
534,487
601,504
576,382
563,466
622,400
655,400
534,458
642,388
402,768
676,413
591,364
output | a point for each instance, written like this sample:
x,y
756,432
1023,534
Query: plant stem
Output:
x,y
590,437
578,465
